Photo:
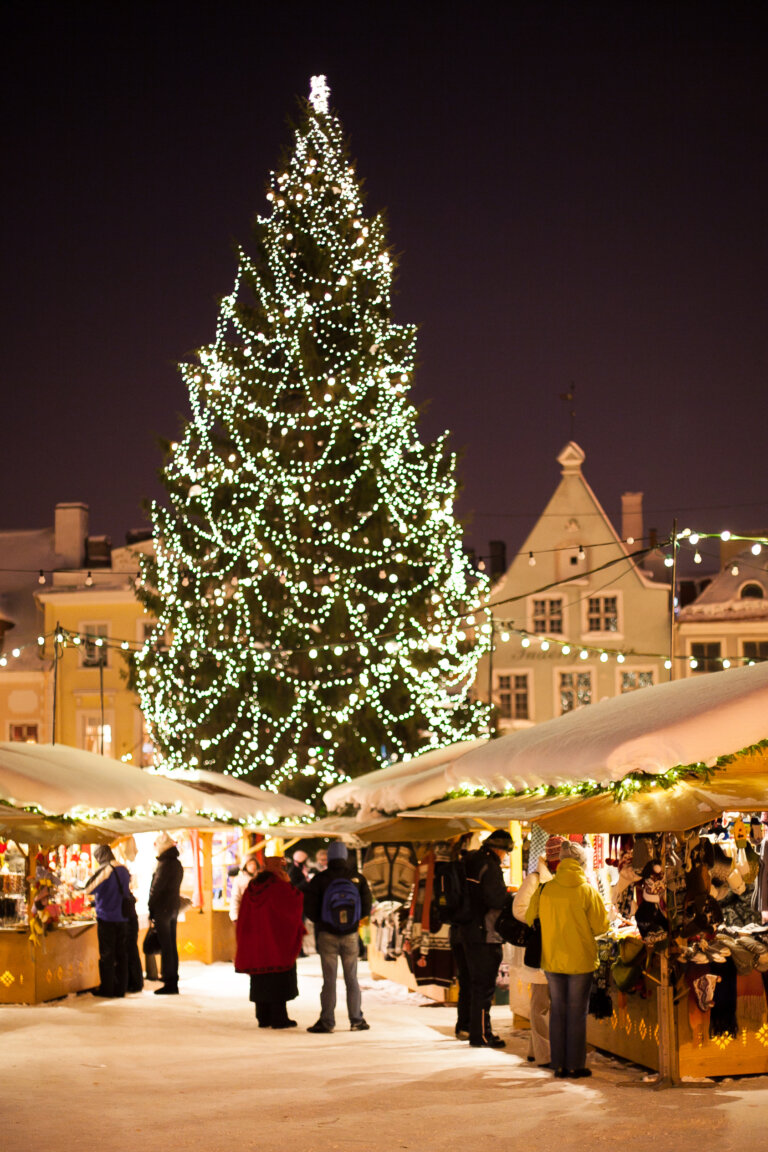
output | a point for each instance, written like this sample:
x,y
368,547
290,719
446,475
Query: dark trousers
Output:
x,y
271,1014
569,995
135,976
113,957
463,977
483,961
169,955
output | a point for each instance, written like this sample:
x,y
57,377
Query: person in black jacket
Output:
x,y
479,940
164,892
336,900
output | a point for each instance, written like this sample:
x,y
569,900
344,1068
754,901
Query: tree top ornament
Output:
x,y
319,93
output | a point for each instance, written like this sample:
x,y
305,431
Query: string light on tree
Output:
x,y
308,584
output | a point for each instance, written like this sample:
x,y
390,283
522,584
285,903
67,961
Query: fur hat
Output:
x,y
337,851
570,850
102,854
499,838
163,842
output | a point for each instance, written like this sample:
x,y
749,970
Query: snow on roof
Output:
x,y
651,730
239,799
420,779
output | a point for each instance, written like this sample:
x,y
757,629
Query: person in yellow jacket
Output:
x,y
572,914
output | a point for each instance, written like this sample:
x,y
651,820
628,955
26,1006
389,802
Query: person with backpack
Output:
x,y
477,935
336,900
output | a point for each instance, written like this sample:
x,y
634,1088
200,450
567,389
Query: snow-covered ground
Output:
x,y
161,1074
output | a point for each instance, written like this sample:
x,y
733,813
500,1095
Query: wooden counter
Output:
x,y
632,1032
66,960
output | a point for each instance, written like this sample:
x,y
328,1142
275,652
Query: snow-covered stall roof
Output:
x,y
652,730
402,785
63,781
231,798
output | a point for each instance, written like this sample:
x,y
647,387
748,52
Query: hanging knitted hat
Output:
x,y
552,851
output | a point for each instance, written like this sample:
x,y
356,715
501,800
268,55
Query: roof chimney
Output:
x,y
632,516
70,532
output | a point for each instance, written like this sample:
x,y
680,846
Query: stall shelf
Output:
x,y
66,960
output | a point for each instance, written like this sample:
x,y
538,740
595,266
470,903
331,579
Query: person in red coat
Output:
x,y
269,930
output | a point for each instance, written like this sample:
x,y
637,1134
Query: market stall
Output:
x,y
55,801
646,779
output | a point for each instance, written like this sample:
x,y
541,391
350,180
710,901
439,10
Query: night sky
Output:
x,y
578,193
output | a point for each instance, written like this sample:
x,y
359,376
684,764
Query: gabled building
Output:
x,y
727,624
576,619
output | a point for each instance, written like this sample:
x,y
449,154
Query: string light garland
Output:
x,y
308,581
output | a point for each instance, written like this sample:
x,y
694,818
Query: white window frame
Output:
x,y
722,644
30,723
497,691
99,629
574,670
624,669
91,717
603,634
532,615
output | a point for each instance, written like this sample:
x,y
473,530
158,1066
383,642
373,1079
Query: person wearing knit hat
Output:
x,y
571,913
336,900
552,852
164,899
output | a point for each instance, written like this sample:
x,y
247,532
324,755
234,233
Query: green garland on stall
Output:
x,y
620,790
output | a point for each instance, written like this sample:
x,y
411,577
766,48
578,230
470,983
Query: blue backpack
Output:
x,y
341,905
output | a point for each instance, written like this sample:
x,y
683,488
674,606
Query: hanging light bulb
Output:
x,y
525,642
88,580
41,577
694,538
582,553
697,557
734,570
620,658
603,657
583,654
756,549
726,663
667,664
531,559
725,535
668,561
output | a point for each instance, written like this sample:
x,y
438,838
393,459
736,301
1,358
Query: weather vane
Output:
x,y
570,397
319,93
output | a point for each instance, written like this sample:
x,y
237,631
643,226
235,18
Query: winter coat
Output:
x,y
487,896
108,887
572,914
520,902
313,896
166,886
239,885
270,926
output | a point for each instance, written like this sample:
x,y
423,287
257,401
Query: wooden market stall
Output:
x,y
52,795
663,761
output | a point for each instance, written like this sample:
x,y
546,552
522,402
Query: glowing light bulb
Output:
x,y
756,549
725,535
531,559
694,538
697,558
583,654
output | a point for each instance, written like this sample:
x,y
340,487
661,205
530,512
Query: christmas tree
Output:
x,y
313,603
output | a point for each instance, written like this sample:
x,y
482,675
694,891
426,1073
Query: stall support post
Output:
x,y
516,855
669,1061
206,840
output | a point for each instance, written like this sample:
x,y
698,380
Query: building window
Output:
x,y
752,592
575,690
23,733
93,646
603,614
95,736
512,696
706,657
755,650
548,616
631,681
